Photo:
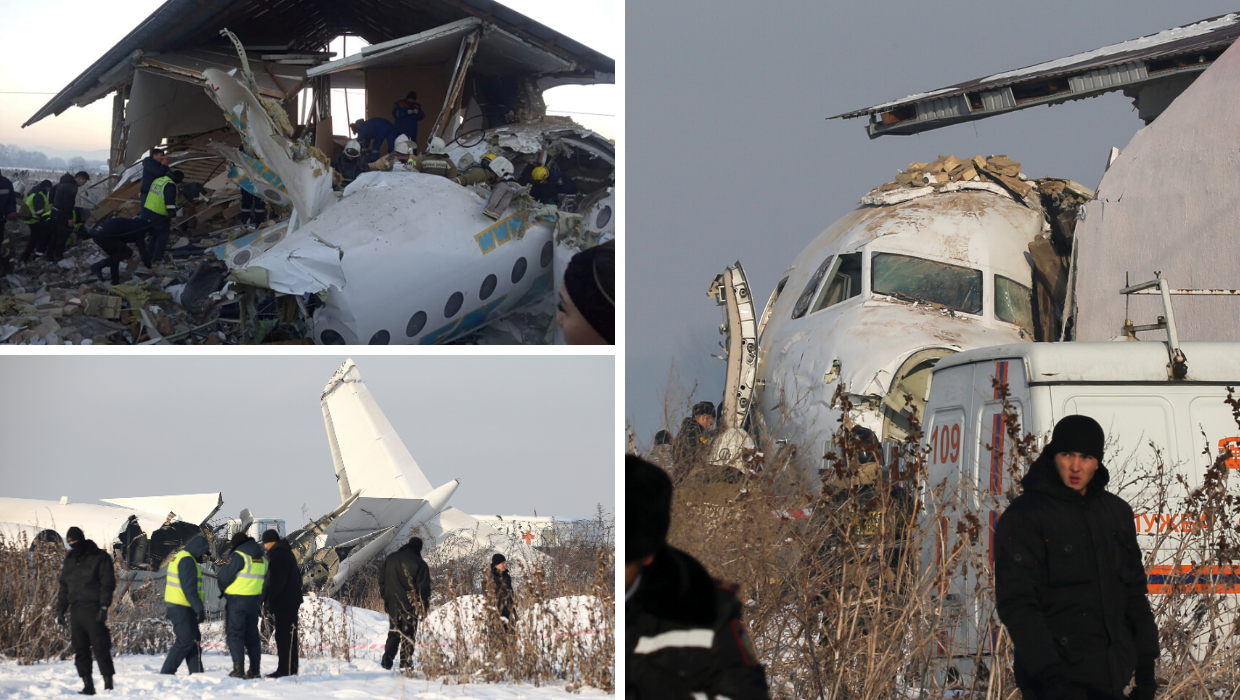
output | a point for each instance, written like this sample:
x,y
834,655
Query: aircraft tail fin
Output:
x,y
367,453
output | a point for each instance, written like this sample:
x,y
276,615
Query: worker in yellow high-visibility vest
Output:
x,y
241,579
186,609
39,219
160,208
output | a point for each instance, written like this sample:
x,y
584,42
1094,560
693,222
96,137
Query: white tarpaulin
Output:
x,y
1169,203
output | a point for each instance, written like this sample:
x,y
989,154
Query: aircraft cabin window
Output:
x,y
914,279
1014,303
808,294
845,282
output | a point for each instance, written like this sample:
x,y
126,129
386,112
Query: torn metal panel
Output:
x,y
102,524
437,45
1163,59
192,508
273,79
162,107
1167,204
369,514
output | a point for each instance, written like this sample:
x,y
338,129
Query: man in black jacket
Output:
x,y
282,600
8,212
1069,583
64,200
405,586
114,237
503,590
693,439
683,631
154,167
86,585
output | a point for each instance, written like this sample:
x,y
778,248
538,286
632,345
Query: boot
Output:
x,y
386,663
107,683
238,671
253,672
90,686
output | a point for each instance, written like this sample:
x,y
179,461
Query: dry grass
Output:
x,y
851,601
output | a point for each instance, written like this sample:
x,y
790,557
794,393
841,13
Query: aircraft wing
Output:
x,y
369,514
102,524
195,508
455,533
367,453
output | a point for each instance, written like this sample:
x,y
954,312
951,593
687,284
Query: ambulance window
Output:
x,y
845,282
914,279
1014,303
808,294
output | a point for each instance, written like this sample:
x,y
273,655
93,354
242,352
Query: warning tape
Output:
x,y
599,630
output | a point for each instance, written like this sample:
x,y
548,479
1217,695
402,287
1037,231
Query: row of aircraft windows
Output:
x,y
417,322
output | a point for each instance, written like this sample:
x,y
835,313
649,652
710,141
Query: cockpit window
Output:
x,y
914,279
807,295
845,282
1014,303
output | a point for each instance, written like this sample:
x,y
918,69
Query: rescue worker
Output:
x,y
64,198
480,173
241,579
550,183
160,208
86,585
436,161
1070,585
8,212
405,586
39,204
683,630
400,159
186,606
349,164
695,434
282,599
503,591
113,237
154,167
253,210
662,452
502,188
373,133
586,313
406,114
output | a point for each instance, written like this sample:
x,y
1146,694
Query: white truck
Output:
x,y
1158,427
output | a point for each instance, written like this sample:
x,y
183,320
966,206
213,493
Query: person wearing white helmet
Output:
x,y
350,164
436,161
502,188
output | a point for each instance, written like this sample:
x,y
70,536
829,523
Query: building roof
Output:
x,y
1188,49
300,26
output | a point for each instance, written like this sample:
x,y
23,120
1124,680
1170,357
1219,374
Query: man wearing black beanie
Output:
x,y
683,631
87,582
586,312
1069,582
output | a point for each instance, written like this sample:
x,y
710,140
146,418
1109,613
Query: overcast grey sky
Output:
x,y
521,433
729,155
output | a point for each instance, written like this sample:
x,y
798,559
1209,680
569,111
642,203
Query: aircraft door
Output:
x,y
730,289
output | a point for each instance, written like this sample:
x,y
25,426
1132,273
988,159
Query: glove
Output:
x,y
202,616
1146,684
102,616
60,619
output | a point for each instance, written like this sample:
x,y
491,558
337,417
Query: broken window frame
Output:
x,y
976,309
855,284
1027,326
807,295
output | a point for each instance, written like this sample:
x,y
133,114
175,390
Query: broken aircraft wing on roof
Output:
x,y
195,508
1152,69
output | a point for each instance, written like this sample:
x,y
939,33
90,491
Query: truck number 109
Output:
x,y
945,444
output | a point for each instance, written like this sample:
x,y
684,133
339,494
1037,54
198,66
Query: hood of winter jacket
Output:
x,y
197,546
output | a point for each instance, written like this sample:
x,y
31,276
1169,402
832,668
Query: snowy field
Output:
x,y
138,677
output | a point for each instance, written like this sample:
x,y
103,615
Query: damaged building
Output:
x,y
397,256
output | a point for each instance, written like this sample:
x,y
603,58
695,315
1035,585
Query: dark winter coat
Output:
x,y
235,564
406,578
8,197
152,170
87,577
557,183
1070,586
503,592
64,196
711,652
349,168
406,114
282,587
187,571
690,446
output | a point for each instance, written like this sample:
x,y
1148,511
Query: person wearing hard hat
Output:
x,y
350,163
478,173
436,161
502,189
549,183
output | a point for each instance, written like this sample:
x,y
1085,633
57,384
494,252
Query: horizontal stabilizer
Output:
x,y
360,555
195,509
369,514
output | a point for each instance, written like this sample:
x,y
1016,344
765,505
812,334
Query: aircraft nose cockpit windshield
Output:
x,y
918,280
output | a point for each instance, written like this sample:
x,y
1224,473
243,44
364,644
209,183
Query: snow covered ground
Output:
x,y
138,677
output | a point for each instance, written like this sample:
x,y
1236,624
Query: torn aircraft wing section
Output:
x,y
1145,68
191,508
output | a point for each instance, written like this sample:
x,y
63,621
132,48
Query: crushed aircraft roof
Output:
x,y
271,28
1188,49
